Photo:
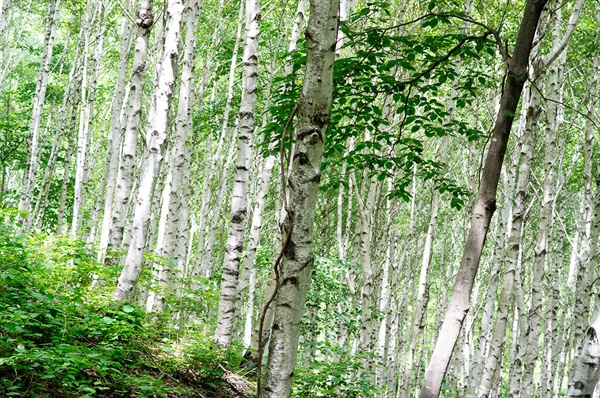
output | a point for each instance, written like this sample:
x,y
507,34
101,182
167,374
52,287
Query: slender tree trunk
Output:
x,y
65,182
88,91
585,269
239,206
31,168
543,247
485,204
115,132
176,222
126,173
212,162
155,139
292,276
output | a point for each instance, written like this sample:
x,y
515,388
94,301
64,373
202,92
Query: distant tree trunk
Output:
x,y
155,139
144,22
31,168
3,7
543,247
534,318
176,221
485,204
314,112
511,259
201,260
65,182
88,92
63,117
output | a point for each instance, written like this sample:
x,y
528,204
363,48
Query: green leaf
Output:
x,y
128,309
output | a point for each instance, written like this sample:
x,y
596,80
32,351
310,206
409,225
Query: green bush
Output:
x,y
53,341
335,372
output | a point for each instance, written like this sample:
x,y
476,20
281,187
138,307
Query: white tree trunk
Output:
x,y
239,206
31,168
200,259
511,260
587,369
314,111
176,213
155,139
65,184
85,117
111,166
127,164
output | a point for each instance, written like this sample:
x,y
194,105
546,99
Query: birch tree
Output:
x,y
239,210
176,220
113,236
485,203
292,276
31,168
155,139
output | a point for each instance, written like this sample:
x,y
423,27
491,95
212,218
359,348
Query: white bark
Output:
x,y
86,113
115,130
585,267
314,111
176,213
587,369
31,168
200,264
65,184
250,334
127,164
511,260
239,206
155,139
542,250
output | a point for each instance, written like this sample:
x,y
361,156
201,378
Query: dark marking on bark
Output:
x,y
145,20
316,178
292,281
302,158
275,326
314,133
309,263
578,385
290,250
239,216
592,334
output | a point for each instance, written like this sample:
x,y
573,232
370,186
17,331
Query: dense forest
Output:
x,y
348,198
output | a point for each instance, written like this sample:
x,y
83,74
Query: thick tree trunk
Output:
x,y
587,369
314,112
155,139
485,204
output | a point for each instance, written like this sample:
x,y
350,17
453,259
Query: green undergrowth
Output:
x,y
60,335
